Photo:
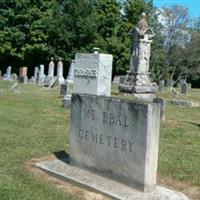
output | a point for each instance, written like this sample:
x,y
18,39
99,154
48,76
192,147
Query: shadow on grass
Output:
x,y
62,155
195,124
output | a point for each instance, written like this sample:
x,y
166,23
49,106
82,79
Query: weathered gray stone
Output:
x,y
115,138
184,103
60,169
36,73
162,103
122,79
7,76
138,80
67,97
116,80
14,77
67,101
189,86
34,79
184,88
50,77
92,74
51,69
41,76
23,75
161,85
60,77
63,89
71,71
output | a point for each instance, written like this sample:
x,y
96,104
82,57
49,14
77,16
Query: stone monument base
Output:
x,y
145,97
144,89
62,170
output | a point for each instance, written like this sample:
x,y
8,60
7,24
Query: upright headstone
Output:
x,y
7,76
14,77
50,77
189,86
51,69
36,74
60,77
35,77
161,85
23,75
63,89
42,76
169,83
116,80
92,73
71,71
162,103
138,81
69,85
184,88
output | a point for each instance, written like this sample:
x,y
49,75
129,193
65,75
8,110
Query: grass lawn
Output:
x,y
34,124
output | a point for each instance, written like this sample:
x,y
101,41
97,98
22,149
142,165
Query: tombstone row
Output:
x,y
39,75
183,85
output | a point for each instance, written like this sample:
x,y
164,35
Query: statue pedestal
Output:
x,y
138,84
142,89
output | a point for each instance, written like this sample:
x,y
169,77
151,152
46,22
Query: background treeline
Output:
x,y
32,31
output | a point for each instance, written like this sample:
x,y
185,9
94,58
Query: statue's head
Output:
x,y
143,15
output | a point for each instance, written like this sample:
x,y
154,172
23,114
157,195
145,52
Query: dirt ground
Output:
x,y
76,192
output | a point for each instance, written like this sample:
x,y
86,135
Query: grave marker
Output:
x,y
115,138
92,73
60,77
184,88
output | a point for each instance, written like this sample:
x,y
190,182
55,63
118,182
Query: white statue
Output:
x,y
141,46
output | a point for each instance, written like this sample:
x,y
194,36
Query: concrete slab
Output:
x,y
62,170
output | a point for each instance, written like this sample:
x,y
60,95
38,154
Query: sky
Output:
x,y
193,5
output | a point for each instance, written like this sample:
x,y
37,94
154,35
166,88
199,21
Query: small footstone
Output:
x,y
116,190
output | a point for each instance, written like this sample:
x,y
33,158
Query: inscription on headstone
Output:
x,y
115,138
92,74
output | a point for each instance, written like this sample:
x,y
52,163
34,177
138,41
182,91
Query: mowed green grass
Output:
x,y
34,124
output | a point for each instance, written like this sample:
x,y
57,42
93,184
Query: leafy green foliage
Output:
x,y
32,31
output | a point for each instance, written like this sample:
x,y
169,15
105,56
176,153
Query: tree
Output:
x,y
73,28
175,30
107,18
191,55
22,31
